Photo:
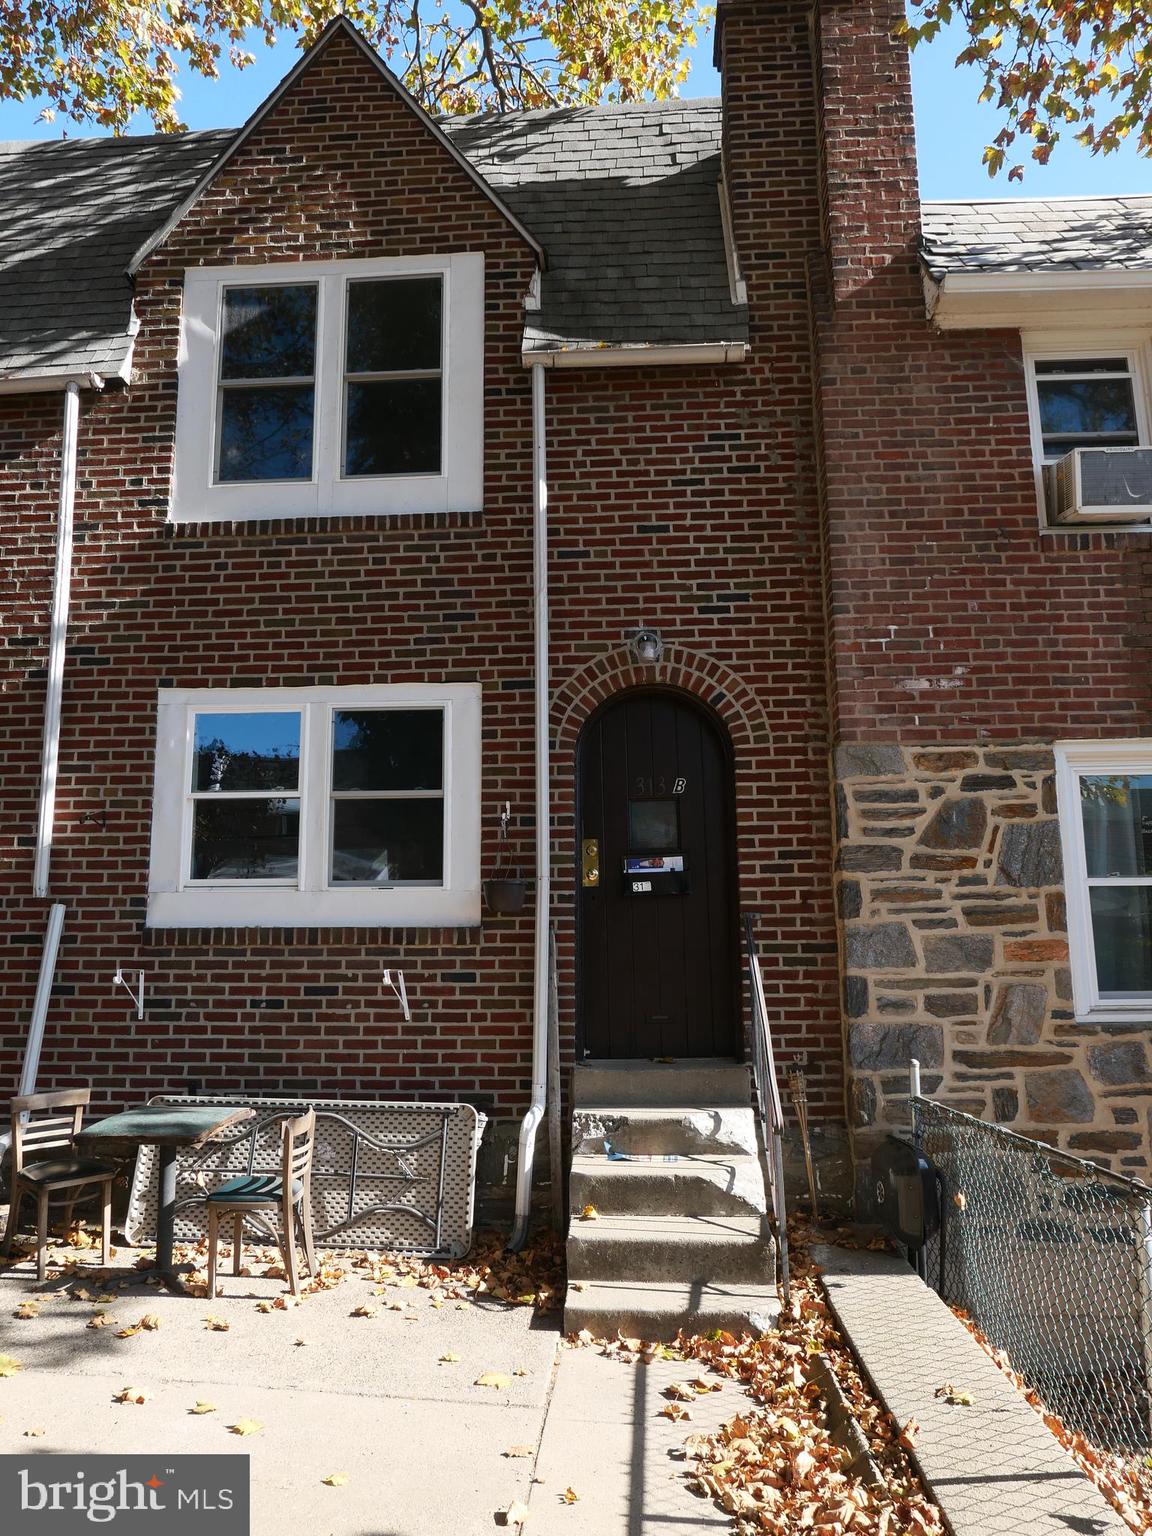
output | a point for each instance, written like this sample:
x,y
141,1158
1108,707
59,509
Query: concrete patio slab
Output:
x,y
606,1439
421,1444
992,1467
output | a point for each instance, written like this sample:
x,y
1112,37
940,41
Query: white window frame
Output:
x,y
1067,346
1074,759
197,496
176,901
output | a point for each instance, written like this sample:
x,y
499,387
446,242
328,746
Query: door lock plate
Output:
x,y
590,862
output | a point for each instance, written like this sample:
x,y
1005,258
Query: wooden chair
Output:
x,y
290,1190
43,1123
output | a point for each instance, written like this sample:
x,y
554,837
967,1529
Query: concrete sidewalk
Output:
x,y
422,1446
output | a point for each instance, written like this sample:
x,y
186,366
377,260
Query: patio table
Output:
x,y
167,1127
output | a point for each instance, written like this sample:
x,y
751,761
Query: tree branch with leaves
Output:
x,y
1052,67
113,62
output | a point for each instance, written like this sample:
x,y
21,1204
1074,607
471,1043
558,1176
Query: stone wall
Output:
x,y
950,893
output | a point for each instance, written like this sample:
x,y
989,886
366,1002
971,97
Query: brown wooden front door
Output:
x,y
658,944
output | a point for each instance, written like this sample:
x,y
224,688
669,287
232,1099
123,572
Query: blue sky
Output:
x,y
952,127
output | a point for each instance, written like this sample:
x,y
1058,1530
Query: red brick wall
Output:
x,y
682,498
953,617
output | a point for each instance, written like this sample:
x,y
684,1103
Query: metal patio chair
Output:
x,y
45,1162
290,1191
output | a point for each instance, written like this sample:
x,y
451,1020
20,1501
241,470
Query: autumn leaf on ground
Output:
x,y
27,1309
300,1343
245,1427
217,1324
493,1379
149,1322
960,1200
958,1396
130,1395
589,1213
448,1358
101,1320
203,1408
34,1434
128,1333
570,1496
675,1412
265,1306
520,1451
680,1392
364,1310
515,1514
8,1366
335,1479
908,1433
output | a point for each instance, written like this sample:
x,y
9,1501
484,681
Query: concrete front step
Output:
x,y
669,1186
698,1248
659,1309
715,1131
653,1084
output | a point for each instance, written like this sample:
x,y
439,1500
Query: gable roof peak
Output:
x,y
338,25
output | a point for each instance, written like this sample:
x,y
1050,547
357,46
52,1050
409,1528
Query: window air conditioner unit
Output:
x,y
1101,485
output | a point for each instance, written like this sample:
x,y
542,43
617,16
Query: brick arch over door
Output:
x,y
801,974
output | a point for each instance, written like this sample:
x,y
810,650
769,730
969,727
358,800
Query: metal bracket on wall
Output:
x,y
134,987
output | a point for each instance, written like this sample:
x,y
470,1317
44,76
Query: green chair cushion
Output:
x,y
66,1170
254,1188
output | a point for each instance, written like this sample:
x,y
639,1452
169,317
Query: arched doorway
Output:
x,y
658,951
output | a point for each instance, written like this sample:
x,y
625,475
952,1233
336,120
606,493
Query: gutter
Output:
x,y
638,355
44,383
57,641
526,1157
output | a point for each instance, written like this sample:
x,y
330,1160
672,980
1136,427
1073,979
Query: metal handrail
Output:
x,y
768,1100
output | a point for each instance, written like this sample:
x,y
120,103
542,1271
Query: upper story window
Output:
x,y
1085,402
304,806
1105,800
328,388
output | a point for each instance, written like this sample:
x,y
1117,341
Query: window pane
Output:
x,y
266,434
376,842
245,839
394,326
1122,933
653,826
1117,814
388,749
393,428
269,333
1086,406
257,751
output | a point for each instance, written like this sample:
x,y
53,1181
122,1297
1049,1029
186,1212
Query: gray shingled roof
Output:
x,y
72,212
624,199
626,202
1060,234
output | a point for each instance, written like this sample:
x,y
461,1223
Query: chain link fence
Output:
x,y
1051,1258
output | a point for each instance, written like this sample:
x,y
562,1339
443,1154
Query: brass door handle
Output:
x,y
590,862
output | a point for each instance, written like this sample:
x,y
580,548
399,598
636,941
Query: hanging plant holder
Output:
x,y
506,891
505,895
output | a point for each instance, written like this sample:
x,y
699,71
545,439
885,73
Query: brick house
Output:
x,y
684,426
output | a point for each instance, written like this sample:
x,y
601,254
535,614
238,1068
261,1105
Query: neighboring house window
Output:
x,y
1084,402
1105,801
354,807
330,388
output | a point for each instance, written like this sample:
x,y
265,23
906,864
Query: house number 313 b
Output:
x,y
660,786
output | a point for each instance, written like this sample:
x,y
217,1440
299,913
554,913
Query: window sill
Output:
x,y
1138,1013
357,907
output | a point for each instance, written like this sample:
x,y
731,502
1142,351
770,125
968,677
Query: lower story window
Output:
x,y
317,806
1105,798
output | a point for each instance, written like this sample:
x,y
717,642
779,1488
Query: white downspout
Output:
x,y
57,642
540,1011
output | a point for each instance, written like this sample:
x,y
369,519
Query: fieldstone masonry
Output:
x,y
950,894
